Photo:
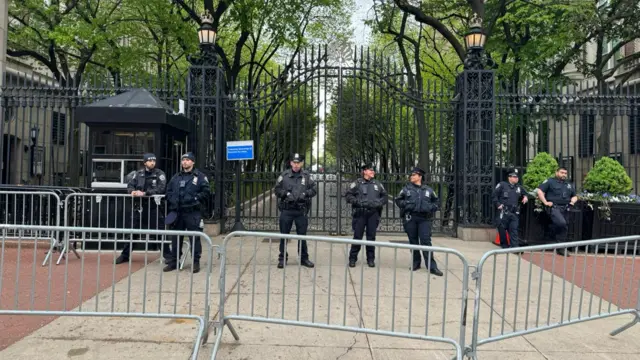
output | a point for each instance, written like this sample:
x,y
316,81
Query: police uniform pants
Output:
x,y
418,229
152,220
369,220
510,223
189,221
559,224
287,219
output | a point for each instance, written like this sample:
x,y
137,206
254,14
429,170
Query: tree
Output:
x,y
64,37
614,25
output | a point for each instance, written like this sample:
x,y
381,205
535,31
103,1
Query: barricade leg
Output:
x,y
633,322
65,249
50,251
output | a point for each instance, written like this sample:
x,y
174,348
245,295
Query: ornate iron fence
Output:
x,y
339,112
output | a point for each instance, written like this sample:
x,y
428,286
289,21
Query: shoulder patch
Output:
x,y
498,186
280,178
544,182
205,179
162,177
353,184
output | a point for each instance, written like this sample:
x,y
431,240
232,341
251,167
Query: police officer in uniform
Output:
x,y
186,191
558,195
367,196
148,182
507,198
294,189
418,202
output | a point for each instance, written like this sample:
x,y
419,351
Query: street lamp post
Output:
x,y
205,107
474,135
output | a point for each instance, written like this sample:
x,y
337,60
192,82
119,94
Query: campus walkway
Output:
x,y
330,294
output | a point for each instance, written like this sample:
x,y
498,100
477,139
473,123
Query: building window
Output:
x,y
58,128
634,132
543,136
587,135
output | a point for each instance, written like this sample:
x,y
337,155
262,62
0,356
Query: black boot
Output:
x,y
196,267
121,259
371,263
307,263
436,272
169,268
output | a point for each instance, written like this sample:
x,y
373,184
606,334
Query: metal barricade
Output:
x,y
113,211
96,287
552,290
32,208
402,303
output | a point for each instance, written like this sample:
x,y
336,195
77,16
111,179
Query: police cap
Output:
x,y
417,170
513,172
367,166
148,157
189,156
297,157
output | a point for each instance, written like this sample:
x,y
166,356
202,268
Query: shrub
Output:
x,y
542,167
607,177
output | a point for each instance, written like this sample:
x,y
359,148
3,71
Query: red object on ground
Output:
x,y
15,327
497,240
620,285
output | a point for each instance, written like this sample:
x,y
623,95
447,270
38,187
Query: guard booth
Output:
x,y
121,129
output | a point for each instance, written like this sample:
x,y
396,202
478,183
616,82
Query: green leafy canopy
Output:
x,y
607,177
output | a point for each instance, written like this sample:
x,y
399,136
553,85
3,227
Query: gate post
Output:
x,y
205,110
475,142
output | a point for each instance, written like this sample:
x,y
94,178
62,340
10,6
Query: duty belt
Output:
x,y
189,209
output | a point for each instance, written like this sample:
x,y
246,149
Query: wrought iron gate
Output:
x,y
339,113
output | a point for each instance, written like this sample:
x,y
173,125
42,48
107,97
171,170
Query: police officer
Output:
x,y
507,198
418,202
558,196
367,196
186,191
294,189
148,182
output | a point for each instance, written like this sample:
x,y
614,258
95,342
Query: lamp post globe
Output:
x,y
206,32
474,41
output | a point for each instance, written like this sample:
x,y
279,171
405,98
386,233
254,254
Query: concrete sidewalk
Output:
x,y
337,295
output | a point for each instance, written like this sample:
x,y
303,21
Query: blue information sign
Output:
x,y
240,150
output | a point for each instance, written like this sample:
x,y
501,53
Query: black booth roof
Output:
x,y
134,107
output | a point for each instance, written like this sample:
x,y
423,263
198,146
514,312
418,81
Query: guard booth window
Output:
x,y
112,173
108,142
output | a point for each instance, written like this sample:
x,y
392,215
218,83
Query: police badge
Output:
x,y
195,180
